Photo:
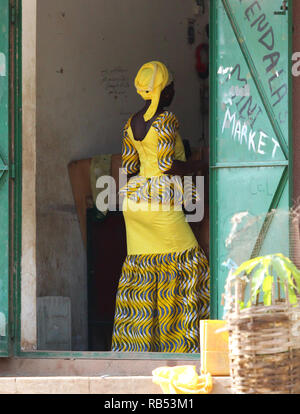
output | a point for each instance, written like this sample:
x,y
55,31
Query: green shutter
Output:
x,y
4,175
250,131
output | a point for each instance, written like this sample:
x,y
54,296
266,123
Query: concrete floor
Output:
x,y
87,376
92,385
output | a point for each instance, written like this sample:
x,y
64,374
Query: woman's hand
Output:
x,y
190,167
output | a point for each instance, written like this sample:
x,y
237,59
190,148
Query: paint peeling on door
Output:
x,y
2,64
2,324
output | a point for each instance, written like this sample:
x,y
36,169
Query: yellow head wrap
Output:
x,y
150,81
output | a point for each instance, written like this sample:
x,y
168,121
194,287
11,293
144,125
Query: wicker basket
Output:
x,y
264,342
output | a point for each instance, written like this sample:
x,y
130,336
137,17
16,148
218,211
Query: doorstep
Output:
x,y
92,385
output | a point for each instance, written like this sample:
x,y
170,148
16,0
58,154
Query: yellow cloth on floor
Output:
x,y
182,380
150,81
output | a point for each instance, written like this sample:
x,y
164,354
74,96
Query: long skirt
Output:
x,y
160,301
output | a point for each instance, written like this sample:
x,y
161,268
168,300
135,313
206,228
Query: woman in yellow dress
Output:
x,y
164,286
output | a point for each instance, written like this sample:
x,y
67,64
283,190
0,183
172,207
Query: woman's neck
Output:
x,y
160,108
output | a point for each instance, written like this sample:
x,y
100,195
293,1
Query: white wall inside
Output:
x,y
88,53
28,260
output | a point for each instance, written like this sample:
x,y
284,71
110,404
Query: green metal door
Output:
x,y
250,133
4,176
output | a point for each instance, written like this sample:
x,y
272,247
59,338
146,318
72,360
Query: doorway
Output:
x,y
83,95
88,53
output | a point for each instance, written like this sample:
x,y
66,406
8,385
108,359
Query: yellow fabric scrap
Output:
x,y
182,380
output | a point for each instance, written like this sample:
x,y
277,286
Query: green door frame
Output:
x,y
16,153
6,173
15,305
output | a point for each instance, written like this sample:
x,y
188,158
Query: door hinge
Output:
x,y
13,14
12,171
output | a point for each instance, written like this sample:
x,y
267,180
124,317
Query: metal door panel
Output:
x,y
250,134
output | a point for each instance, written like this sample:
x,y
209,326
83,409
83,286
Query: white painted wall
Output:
x,y
88,53
28,259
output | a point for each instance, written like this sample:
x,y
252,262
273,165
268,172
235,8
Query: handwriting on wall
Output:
x,y
276,84
246,105
255,141
115,81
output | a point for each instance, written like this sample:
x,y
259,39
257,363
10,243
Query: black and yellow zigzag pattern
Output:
x,y
164,188
130,156
166,126
160,301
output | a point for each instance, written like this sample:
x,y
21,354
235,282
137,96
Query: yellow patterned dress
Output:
x,y
164,286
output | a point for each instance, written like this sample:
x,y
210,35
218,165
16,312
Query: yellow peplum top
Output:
x,y
155,223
